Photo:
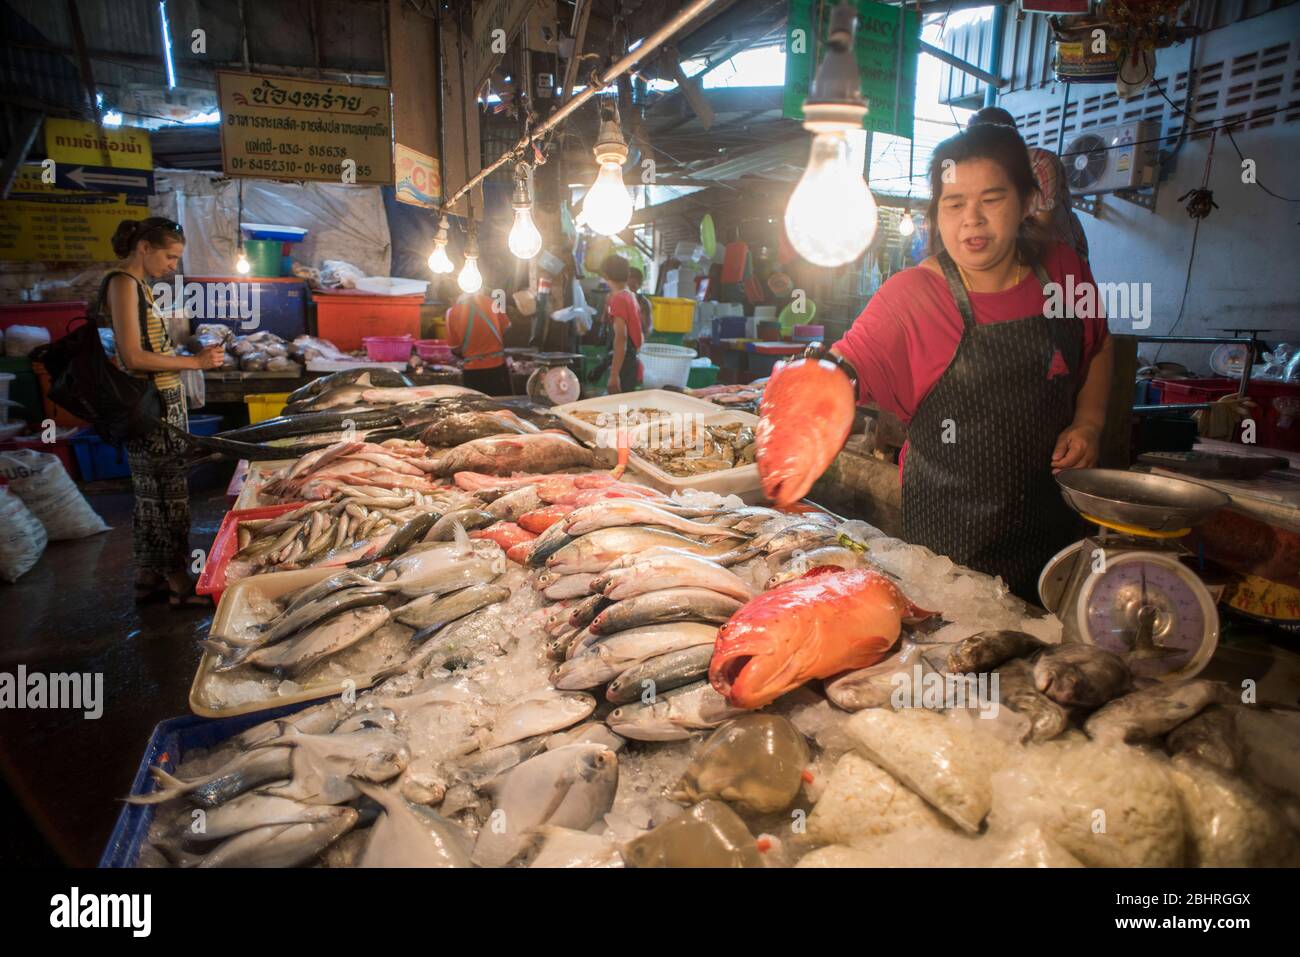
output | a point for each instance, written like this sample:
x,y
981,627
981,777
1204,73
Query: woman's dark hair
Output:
x,y
635,277
156,231
994,115
1004,146
614,267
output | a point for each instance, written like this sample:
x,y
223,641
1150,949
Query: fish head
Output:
x,y
805,417
385,762
751,661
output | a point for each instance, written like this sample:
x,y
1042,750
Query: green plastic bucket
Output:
x,y
263,257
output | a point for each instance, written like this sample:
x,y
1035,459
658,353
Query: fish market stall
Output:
x,y
506,649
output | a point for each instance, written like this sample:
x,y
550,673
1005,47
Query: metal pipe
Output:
x,y
629,60
1206,340
957,63
998,29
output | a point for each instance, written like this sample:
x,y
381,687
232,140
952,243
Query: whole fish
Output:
x,y
710,834
539,713
988,649
1147,714
658,607
619,652
1016,690
318,719
420,393
433,611
283,845
368,377
586,610
327,586
540,519
673,715
515,504
661,673
304,616
593,732
328,638
594,551
570,787
565,847
504,455
805,417
464,427
568,586
756,762
243,813
820,557
409,533
1080,675
505,534
244,771
547,544
815,627
467,518
325,768
444,568
874,685
407,835
627,511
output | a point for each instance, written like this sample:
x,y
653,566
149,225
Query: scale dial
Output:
x,y
1149,609
555,385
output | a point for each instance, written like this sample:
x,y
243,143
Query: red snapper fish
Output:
x,y
806,415
827,622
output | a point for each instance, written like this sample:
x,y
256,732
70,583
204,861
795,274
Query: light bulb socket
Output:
x,y
471,247
835,99
610,146
522,198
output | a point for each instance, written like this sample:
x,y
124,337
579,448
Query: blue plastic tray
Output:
x,y
167,746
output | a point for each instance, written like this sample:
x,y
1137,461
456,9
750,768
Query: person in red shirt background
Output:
x,y
476,330
624,318
997,392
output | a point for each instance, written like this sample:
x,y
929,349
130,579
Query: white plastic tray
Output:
x,y
631,401
254,479
234,612
743,481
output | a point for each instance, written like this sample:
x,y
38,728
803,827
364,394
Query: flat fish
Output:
x,y
540,713
408,835
288,845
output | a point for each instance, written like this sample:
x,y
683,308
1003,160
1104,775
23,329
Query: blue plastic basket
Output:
x,y
172,738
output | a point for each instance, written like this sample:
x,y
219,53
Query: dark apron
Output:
x,y
986,497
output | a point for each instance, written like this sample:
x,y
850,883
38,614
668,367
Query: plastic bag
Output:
x,y
40,480
1108,805
1229,821
864,800
940,757
308,348
21,340
22,537
196,393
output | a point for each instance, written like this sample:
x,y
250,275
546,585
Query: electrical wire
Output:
x,y
1187,282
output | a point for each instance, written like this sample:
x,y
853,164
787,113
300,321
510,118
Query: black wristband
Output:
x,y
818,351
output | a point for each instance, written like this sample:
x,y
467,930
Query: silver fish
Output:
x,y
801,564
407,835
671,604
673,715
618,653
594,551
671,571
540,713
326,767
241,773
287,845
568,586
510,506
1147,714
244,813
570,787
659,674
468,518
341,632
435,610
616,512
1016,690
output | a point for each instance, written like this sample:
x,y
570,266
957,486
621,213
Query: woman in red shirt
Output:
x,y
624,318
999,391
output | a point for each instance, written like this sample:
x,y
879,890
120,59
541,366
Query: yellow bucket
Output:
x,y
265,405
672,315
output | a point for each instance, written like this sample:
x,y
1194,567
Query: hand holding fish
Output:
x,y
807,413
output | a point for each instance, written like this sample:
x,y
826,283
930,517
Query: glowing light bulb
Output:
x,y
439,261
905,225
524,239
470,280
241,264
831,217
607,206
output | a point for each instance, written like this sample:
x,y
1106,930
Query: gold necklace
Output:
x,y
966,279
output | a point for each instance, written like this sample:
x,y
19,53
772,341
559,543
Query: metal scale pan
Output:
x,y
1156,503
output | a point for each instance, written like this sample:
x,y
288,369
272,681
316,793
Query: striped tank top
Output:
x,y
153,331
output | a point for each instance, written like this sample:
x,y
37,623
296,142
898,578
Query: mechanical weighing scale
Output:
x,y
553,382
1126,588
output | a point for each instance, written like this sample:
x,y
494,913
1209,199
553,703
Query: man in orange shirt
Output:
x,y
477,332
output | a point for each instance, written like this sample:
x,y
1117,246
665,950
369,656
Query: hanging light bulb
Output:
x,y
439,261
470,279
524,239
905,225
242,265
831,216
607,207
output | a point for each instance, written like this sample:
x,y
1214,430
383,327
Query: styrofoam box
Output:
x,y
743,481
234,612
392,286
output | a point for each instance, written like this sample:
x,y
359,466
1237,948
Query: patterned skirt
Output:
x,y
160,481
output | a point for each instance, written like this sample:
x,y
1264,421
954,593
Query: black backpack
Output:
x,y
86,382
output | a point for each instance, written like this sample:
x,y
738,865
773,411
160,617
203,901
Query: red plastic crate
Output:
x,y
345,318
60,448
54,316
226,544
1269,432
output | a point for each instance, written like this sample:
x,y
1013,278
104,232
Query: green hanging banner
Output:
x,y
888,68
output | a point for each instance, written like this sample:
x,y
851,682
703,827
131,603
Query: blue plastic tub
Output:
x,y
167,746
205,424
97,460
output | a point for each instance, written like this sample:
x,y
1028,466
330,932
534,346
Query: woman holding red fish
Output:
x,y
998,390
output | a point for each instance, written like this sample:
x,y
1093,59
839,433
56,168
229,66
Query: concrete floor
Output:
x,y
76,611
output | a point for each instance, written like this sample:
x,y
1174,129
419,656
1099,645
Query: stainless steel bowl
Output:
x,y
1154,502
